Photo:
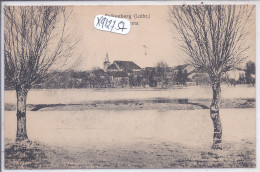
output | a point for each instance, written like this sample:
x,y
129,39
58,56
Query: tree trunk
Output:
x,y
214,114
21,94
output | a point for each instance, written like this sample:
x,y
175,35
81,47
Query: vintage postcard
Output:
x,y
98,86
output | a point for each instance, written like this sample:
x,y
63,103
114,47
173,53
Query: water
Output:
x,y
103,128
94,127
67,96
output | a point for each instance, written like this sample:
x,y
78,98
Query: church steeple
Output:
x,y
107,59
106,63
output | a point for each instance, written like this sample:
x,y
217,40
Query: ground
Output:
x,y
139,155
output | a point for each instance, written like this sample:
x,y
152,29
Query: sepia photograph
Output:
x,y
129,86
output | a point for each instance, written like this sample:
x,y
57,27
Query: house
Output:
x,y
118,78
159,77
172,74
236,73
201,78
190,69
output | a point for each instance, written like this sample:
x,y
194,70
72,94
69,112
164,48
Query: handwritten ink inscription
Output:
x,y
112,24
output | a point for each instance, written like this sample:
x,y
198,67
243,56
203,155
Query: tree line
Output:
x,y
97,78
159,76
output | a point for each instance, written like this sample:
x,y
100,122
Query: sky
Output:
x,y
146,44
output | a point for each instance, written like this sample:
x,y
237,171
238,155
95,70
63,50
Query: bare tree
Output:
x,y
124,81
249,72
36,39
213,36
161,70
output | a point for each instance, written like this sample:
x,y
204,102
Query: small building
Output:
x,y
118,78
236,73
201,78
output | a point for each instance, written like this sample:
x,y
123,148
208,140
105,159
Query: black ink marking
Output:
x,y
121,25
99,19
112,27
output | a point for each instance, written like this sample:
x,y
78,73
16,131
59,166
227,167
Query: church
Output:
x,y
120,71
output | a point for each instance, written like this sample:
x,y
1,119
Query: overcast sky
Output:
x,y
146,44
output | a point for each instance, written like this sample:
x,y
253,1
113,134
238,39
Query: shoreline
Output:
x,y
161,104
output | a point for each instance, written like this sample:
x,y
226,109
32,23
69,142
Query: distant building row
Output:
x,y
127,73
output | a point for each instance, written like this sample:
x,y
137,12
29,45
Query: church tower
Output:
x,y
106,63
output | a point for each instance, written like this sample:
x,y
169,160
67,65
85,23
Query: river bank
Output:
x,y
161,104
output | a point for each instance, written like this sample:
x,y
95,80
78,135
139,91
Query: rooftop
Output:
x,y
126,65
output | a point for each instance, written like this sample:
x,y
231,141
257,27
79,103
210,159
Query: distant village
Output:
x,y
129,74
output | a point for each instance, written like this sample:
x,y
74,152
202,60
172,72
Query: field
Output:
x,y
131,128
139,155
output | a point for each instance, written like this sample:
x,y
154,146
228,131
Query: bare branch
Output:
x,y
212,35
36,38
